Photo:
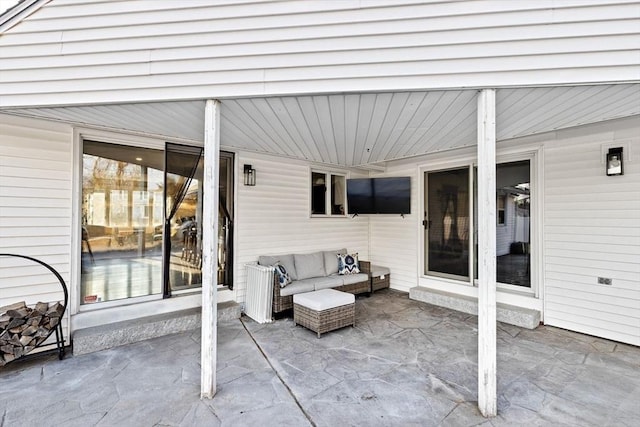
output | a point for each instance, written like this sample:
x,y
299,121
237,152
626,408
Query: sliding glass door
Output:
x,y
183,220
122,217
446,223
142,221
225,221
513,226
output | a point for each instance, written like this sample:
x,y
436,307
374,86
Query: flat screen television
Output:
x,y
391,195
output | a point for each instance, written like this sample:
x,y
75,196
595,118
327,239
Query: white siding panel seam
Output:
x,y
312,47
620,306
306,16
253,52
293,68
35,217
234,82
588,320
614,334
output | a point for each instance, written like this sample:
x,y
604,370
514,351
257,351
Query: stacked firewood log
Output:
x,y
22,328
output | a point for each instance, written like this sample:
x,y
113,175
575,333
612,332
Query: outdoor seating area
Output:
x,y
300,273
403,363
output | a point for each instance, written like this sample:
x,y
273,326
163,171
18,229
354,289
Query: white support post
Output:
x,y
209,244
487,394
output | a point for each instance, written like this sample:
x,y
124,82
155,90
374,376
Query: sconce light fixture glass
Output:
x,y
249,175
614,162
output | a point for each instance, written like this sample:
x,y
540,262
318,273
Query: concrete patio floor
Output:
x,y
405,363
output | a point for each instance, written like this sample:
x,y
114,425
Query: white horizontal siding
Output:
x,y
273,217
35,210
74,52
592,229
395,239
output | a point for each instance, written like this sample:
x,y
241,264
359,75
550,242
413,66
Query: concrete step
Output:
x,y
111,335
518,316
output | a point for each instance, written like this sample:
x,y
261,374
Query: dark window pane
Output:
x,y
318,193
337,195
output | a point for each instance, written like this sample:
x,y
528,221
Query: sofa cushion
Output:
x,y
331,261
378,271
297,287
324,299
285,260
348,264
309,265
327,282
350,279
282,275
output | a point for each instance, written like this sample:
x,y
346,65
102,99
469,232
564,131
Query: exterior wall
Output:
x,y
35,209
590,222
395,240
274,216
591,230
73,52
36,218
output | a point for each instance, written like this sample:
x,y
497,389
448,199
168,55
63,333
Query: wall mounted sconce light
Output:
x,y
614,162
249,175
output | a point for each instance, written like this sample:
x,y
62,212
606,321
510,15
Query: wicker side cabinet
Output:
x,y
380,277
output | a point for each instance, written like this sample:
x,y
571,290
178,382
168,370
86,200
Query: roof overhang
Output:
x,y
360,129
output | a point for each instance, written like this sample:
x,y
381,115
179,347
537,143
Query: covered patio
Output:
x,y
353,88
365,132
404,363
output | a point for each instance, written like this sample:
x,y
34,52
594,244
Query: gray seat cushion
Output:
x,y
324,300
309,265
326,282
349,279
298,287
285,260
378,270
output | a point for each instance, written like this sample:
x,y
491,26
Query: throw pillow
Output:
x,y
348,264
281,273
286,260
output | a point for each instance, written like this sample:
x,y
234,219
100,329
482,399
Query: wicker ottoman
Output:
x,y
324,310
380,277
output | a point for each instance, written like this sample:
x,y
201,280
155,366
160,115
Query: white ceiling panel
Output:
x,y
362,129
529,111
182,119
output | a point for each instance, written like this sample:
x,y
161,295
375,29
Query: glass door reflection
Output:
x,y
447,223
183,221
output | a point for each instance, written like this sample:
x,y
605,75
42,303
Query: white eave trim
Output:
x,y
19,12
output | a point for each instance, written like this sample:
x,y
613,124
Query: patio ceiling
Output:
x,y
361,129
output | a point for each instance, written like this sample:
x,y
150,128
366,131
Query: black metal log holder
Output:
x,y
58,327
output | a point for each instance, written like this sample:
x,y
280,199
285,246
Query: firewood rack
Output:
x,y
58,328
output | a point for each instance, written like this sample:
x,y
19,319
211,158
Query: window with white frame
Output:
x,y
328,194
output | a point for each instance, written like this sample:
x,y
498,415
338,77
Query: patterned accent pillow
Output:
x,y
281,273
348,264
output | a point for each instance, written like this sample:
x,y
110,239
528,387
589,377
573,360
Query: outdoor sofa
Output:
x,y
312,272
